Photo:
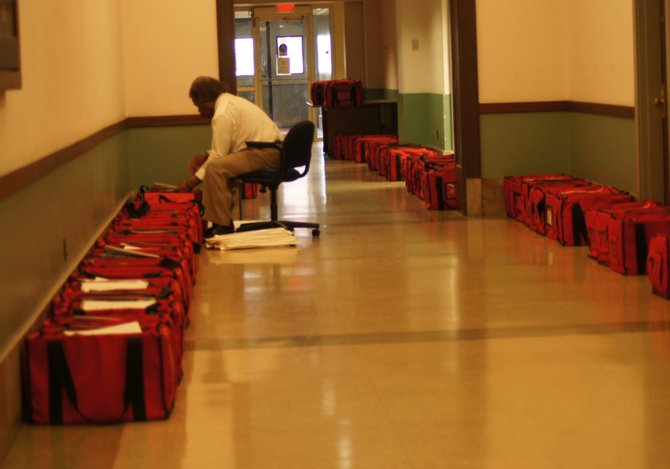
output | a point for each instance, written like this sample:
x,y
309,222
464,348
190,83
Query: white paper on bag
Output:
x,y
125,328
88,286
100,305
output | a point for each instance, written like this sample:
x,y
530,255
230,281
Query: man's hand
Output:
x,y
197,161
183,187
188,185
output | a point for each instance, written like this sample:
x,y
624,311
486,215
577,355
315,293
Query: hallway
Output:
x,y
400,339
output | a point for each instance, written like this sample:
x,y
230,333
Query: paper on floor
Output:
x,y
271,237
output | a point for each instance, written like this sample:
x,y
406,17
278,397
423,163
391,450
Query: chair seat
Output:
x,y
269,177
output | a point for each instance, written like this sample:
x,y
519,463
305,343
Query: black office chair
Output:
x,y
296,152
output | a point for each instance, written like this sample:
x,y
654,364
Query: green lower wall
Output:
x,y
598,148
161,154
524,143
49,225
425,119
602,149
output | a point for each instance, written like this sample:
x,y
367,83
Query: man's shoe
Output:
x,y
217,229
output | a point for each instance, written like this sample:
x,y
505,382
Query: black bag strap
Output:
x,y
134,393
641,248
169,263
439,189
579,232
60,378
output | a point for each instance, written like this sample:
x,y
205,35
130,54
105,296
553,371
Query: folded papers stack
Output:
x,y
267,238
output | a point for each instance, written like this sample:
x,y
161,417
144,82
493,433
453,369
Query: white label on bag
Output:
x,y
101,305
125,328
89,286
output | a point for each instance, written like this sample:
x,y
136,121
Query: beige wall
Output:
x,y
547,50
390,47
422,70
72,79
354,39
375,66
522,50
166,43
601,51
381,70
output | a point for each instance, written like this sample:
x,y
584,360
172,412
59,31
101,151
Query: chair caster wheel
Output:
x,y
316,232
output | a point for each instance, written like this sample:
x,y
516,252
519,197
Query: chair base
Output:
x,y
286,224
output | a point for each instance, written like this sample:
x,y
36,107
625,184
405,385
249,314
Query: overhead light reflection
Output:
x,y
345,450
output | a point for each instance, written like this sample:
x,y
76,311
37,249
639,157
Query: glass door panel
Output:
x,y
244,56
283,70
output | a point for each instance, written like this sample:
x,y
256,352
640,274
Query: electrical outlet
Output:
x,y
415,44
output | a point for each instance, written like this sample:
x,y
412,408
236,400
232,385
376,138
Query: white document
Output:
x,y
125,250
88,286
125,328
100,305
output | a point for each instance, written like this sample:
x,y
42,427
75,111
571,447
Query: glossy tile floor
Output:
x,y
404,339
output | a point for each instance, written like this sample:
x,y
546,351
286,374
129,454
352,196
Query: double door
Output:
x,y
275,62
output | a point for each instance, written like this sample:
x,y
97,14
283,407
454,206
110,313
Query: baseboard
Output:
x,y
484,198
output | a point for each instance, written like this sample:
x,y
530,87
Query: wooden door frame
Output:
x,y
465,82
225,30
652,158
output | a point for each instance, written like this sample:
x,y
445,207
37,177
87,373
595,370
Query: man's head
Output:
x,y
204,92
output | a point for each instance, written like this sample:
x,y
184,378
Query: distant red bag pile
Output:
x,y
336,93
428,173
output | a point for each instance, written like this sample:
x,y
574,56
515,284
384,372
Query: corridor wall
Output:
x,y
545,70
63,168
424,89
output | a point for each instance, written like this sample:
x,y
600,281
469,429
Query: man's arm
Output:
x,y
193,165
197,161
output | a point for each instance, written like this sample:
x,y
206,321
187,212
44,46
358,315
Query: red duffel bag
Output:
x,y
107,378
658,267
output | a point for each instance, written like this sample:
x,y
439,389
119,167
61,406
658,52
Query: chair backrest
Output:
x,y
297,147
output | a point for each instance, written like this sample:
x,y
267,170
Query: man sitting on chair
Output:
x,y
235,121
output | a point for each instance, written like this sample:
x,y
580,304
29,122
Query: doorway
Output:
x,y
277,57
651,99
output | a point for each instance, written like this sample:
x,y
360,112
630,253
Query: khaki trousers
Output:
x,y
220,192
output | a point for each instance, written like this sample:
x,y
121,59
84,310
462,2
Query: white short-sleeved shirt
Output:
x,y
237,121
